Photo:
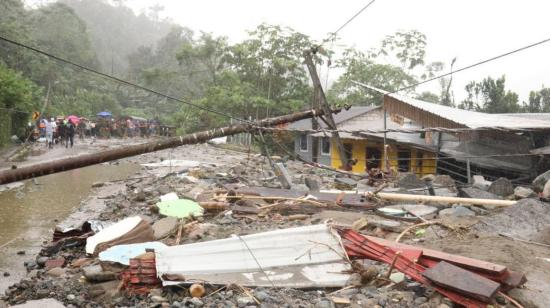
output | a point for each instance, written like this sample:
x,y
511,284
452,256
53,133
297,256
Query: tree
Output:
x,y
407,48
539,101
18,98
490,96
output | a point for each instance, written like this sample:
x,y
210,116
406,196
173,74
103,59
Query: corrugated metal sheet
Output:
x,y
464,118
302,257
340,117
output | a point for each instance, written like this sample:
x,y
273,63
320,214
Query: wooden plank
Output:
x,y
461,261
462,281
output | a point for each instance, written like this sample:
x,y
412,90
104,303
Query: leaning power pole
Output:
x,y
322,101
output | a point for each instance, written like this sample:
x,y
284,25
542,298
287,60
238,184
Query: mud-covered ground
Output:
x,y
137,195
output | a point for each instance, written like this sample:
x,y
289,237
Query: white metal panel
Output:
x,y
298,257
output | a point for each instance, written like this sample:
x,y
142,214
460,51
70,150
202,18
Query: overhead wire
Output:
x,y
333,34
473,65
119,80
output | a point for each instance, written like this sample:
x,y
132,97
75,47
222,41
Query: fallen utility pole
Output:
x,y
13,175
329,120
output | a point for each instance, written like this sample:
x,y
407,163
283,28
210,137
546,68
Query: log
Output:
x,y
36,170
441,199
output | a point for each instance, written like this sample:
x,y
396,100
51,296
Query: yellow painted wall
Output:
x,y
428,165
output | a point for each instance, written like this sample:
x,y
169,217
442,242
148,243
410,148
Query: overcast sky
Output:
x,y
470,30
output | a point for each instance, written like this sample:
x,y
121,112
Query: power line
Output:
x,y
122,81
405,130
472,65
352,18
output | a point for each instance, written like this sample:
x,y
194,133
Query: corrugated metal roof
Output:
x,y
473,119
340,117
309,256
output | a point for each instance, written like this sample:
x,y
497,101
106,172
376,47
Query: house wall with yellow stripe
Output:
x,y
400,157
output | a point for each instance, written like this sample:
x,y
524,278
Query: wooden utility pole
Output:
x,y
322,101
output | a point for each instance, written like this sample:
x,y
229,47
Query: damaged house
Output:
x,y
517,149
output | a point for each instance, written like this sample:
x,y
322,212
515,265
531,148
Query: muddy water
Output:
x,y
28,214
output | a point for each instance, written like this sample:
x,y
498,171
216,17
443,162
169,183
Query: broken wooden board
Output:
x,y
462,281
343,200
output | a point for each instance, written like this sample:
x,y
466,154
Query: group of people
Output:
x,y
57,131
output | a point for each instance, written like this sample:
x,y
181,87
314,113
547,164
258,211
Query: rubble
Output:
x,y
521,192
501,187
239,239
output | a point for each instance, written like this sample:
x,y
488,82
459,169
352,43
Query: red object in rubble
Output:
x,y
405,261
141,276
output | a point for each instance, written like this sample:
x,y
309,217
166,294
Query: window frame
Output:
x,y
300,143
323,140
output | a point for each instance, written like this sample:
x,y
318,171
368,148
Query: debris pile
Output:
x,y
194,234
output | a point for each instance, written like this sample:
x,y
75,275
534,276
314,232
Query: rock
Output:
x,y
521,192
360,224
312,183
477,194
420,300
164,227
81,262
56,272
164,189
354,280
244,301
95,273
6,274
21,252
324,303
41,261
540,181
97,184
457,211
502,187
345,183
424,211
397,277
262,296
196,302
443,306
389,225
410,181
158,299
546,190
71,297
480,182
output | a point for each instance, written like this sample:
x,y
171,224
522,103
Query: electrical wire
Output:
x,y
333,34
472,65
119,80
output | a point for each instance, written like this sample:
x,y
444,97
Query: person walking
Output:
x,y
49,133
55,132
69,133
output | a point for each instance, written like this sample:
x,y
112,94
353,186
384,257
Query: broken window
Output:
x,y
303,143
374,158
325,146
404,161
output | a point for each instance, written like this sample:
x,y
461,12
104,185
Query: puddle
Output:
x,y
29,213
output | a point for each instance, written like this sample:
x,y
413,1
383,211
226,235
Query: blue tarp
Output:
x,y
123,253
104,114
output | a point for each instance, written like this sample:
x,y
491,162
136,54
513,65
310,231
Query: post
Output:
x,y
36,170
325,106
386,162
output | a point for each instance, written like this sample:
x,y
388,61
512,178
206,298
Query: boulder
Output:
x,y
502,187
546,190
164,227
312,183
409,181
457,211
424,211
540,181
476,193
521,192
94,273
480,182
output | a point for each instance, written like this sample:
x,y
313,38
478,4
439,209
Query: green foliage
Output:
x,y
17,96
539,101
490,96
